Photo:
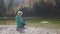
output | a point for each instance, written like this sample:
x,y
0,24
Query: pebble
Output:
x,y
30,30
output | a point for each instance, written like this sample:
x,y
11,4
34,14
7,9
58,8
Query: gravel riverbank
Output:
x,y
10,29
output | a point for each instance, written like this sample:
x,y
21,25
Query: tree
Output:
x,y
44,9
2,7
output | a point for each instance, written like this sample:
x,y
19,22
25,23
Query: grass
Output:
x,y
52,23
35,22
7,21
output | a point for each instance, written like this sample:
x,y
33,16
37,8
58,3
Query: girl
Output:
x,y
19,21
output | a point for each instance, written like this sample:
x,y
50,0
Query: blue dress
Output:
x,y
19,21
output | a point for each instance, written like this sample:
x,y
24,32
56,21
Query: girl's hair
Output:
x,y
16,12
